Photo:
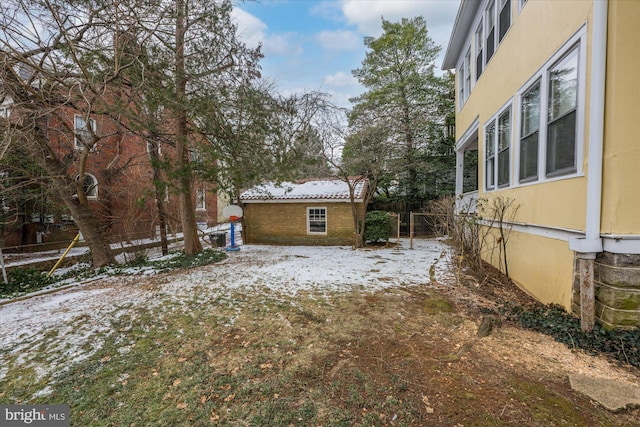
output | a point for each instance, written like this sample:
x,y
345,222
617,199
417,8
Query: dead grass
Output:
x,y
401,357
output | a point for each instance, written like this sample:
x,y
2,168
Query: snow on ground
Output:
x,y
67,322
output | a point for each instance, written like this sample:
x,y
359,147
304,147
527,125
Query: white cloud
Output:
x,y
253,32
339,40
282,44
366,15
340,79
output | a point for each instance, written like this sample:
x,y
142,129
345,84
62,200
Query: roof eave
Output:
x,y
341,200
466,14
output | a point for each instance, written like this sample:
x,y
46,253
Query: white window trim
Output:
x,y
542,74
95,187
201,206
326,227
521,4
481,21
465,65
77,144
494,119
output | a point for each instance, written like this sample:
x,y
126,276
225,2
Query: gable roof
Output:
x,y
464,20
312,190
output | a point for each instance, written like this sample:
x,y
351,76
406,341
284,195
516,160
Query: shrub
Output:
x,y
22,280
376,226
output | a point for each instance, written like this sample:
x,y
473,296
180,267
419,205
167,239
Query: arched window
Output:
x,y
90,186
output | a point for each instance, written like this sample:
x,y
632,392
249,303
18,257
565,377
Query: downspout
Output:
x,y
587,248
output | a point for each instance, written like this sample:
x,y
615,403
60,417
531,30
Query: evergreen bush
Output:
x,y
376,226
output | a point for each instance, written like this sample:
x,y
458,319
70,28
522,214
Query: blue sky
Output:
x,y
314,44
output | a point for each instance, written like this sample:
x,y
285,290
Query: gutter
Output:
x,y
592,243
588,247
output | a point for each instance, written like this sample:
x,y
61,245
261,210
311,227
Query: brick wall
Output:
x,y
286,224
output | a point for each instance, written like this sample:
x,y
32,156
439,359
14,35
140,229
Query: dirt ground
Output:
x,y
194,348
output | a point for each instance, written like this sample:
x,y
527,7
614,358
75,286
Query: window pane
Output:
x,y
461,82
317,220
561,130
505,19
489,138
530,111
504,142
90,186
489,141
479,42
563,85
491,30
504,130
490,44
561,143
489,172
529,157
503,168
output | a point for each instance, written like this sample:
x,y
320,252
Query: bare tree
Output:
x,y
358,155
45,82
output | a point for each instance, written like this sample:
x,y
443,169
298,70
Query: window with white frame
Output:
x,y
490,30
479,38
158,146
316,220
561,121
494,23
464,79
201,200
504,18
550,116
89,186
4,112
497,137
504,145
529,133
490,156
84,131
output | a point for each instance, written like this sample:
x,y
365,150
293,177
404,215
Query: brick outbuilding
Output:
x,y
310,212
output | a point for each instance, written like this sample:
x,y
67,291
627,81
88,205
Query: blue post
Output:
x,y
232,246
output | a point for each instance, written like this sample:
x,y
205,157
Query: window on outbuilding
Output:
x,y
316,220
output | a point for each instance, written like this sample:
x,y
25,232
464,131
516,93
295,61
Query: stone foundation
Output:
x,y
617,290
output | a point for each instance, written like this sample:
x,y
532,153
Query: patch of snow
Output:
x,y
74,322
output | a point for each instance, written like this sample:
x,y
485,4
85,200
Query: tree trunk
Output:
x,y
85,219
160,193
192,243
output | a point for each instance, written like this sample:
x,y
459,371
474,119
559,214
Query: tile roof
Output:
x,y
331,189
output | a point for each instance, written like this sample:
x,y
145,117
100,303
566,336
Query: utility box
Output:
x,y
218,239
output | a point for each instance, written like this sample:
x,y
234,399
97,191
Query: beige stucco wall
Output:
x,y
543,266
536,33
621,165
286,223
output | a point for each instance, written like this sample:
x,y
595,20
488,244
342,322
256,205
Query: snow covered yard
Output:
x,y
276,336
46,334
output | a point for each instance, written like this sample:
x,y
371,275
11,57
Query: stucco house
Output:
x,y
547,96
309,212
